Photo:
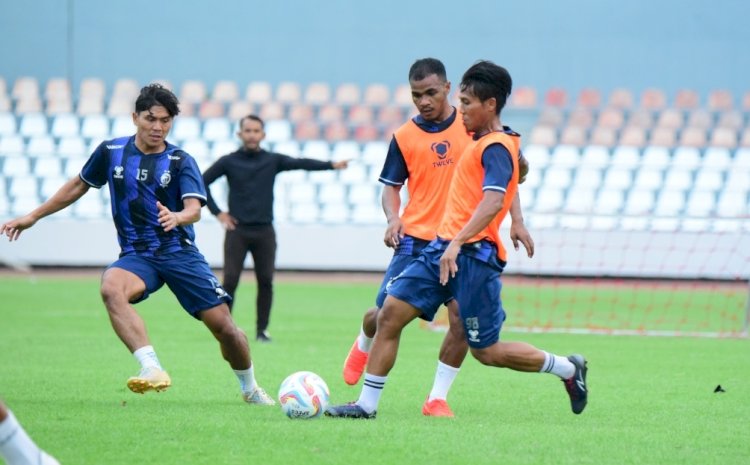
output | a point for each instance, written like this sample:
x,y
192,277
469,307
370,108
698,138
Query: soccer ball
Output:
x,y
303,395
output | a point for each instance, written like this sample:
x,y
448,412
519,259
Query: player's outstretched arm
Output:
x,y
518,231
65,196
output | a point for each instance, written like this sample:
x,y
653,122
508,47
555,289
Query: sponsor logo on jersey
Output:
x,y
118,172
174,157
115,147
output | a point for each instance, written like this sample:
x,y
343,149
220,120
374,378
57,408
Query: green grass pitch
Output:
x,y
63,373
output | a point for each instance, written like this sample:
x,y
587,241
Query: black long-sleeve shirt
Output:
x,y
251,176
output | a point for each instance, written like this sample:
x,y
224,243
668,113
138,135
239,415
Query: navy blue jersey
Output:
x,y
136,182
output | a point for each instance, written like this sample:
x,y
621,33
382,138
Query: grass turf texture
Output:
x,y
64,371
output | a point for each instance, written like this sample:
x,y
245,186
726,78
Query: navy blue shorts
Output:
x,y
408,249
476,287
185,272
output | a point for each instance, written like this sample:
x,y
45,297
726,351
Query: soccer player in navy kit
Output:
x,y
157,193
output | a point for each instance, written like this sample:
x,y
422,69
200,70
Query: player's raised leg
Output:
x,y
119,287
236,351
356,360
520,356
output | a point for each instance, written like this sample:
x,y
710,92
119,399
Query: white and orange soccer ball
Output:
x,y
303,395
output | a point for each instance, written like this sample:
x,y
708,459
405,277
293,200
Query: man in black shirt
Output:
x,y
251,173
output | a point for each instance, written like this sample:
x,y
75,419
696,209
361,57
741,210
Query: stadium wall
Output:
x,y
668,44
559,252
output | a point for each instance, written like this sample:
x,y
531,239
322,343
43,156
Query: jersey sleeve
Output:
x,y
191,181
394,171
498,168
94,171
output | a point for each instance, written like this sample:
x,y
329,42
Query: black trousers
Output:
x,y
260,241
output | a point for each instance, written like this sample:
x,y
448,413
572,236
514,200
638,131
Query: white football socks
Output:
x,y
363,342
246,379
444,377
371,391
558,365
146,356
17,448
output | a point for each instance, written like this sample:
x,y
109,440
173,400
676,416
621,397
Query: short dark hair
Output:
x,y
425,67
157,94
252,118
486,80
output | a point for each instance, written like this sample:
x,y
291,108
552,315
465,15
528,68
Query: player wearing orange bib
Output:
x,y
466,259
422,155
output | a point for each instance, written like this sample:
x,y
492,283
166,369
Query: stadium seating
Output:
x,y
593,157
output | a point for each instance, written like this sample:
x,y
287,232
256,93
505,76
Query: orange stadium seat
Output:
x,y
366,132
543,135
642,118
523,97
663,137
601,135
318,93
210,109
271,110
551,116
360,114
670,118
402,96
720,100
611,117
58,106
240,109
258,92
288,92
307,130
25,87
92,87
700,118
377,95
573,135
193,91
90,105
330,112
225,91
347,94
723,137
589,98
581,116
301,112
733,119
653,99
337,131
556,97
187,109
390,114
28,105
687,99
57,89
692,137
633,136
126,89
621,98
